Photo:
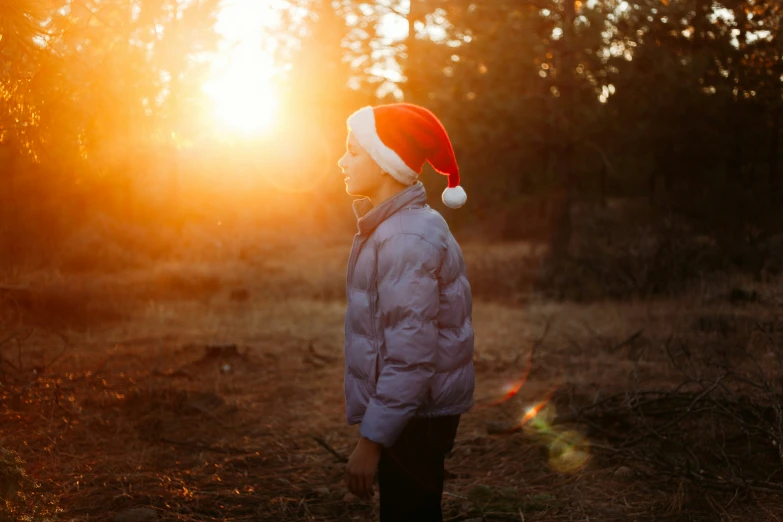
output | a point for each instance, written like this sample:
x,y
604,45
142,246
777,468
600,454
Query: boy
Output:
x,y
409,371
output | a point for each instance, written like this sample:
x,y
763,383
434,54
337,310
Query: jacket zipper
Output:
x,y
373,324
352,265
358,243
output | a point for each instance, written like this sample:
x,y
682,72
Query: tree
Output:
x,y
94,87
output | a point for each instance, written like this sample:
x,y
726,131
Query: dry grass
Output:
x,y
113,399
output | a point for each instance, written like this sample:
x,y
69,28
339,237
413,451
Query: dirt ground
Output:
x,y
224,401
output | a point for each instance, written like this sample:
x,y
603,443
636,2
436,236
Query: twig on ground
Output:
x,y
325,445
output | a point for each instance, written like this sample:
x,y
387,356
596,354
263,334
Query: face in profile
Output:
x,y
363,177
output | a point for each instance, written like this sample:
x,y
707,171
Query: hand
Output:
x,y
361,468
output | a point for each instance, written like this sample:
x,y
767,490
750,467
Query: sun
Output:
x,y
240,85
243,96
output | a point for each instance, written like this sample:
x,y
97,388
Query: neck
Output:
x,y
388,190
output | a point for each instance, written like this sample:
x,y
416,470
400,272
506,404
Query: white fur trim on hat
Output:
x,y
454,197
362,123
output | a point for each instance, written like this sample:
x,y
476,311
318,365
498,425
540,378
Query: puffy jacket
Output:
x,y
408,323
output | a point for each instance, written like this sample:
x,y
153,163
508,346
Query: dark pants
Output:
x,y
410,473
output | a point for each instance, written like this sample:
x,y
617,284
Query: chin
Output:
x,y
352,191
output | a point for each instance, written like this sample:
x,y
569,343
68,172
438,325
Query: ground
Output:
x,y
206,392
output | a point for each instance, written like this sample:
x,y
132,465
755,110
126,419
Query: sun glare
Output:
x,y
243,96
240,84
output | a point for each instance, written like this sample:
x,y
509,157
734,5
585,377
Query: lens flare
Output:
x,y
536,412
511,389
532,412
569,452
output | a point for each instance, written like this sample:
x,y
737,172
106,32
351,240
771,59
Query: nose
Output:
x,y
342,162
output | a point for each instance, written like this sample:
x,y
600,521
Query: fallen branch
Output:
x,y
325,445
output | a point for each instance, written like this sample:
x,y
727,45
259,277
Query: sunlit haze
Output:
x,y
240,85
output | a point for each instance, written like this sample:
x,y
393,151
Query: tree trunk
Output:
x,y
10,240
414,90
651,186
739,147
774,145
739,150
561,239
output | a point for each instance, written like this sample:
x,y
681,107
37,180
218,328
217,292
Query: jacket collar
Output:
x,y
370,217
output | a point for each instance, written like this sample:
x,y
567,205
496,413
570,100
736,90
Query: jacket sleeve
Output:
x,y
408,300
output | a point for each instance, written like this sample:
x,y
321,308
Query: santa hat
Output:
x,y
401,137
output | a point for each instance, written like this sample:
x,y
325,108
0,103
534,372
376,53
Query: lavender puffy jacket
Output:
x,y
408,325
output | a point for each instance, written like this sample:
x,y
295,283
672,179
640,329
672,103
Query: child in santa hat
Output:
x,y
409,371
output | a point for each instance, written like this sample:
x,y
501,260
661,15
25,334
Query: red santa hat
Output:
x,y
401,137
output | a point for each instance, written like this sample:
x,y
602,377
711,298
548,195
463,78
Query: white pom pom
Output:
x,y
454,197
